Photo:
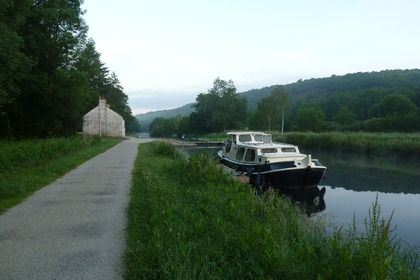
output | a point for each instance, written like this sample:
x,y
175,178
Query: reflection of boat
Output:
x,y
270,164
312,199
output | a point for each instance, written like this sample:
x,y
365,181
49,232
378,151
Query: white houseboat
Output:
x,y
269,164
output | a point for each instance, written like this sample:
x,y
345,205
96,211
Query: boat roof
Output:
x,y
259,144
246,133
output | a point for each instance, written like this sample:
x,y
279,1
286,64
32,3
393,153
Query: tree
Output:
x,y
220,109
132,124
50,72
49,100
161,127
396,105
344,116
88,62
13,62
273,109
310,119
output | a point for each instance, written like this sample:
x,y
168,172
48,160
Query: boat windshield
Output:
x,y
267,138
245,138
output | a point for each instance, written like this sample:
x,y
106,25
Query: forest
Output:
x,y
384,101
50,71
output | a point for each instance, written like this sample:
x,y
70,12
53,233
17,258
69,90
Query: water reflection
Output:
x,y
361,172
354,181
312,199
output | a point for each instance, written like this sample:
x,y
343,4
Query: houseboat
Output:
x,y
269,164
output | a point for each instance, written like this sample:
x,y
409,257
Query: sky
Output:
x,y
166,52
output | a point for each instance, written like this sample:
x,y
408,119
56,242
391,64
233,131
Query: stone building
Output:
x,y
102,121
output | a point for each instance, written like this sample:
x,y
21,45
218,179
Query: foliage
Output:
x,y
272,111
161,127
188,220
50,72
28,165
310,119
378,143
166,149
220,109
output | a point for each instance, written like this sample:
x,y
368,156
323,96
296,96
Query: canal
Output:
x,y
355,180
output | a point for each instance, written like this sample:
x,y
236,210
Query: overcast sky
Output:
x,y
167,52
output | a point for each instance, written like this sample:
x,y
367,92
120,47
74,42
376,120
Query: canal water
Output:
x,y
353,183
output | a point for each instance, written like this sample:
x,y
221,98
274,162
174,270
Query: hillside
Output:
x,y
146,118
407,81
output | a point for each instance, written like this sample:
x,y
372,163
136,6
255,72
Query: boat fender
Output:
x,y
228,146
249,171
256,181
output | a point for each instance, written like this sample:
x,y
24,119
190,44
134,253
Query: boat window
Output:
x,y
258,137
250,155
269,151
240,153
267,138
244,138
288,150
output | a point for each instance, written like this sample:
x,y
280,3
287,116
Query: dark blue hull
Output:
x,y
283,175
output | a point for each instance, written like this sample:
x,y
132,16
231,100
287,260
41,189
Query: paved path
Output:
x,y
75,227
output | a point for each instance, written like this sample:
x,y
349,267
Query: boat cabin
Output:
x,y
256,147
250,137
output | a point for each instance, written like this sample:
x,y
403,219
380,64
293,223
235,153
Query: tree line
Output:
x,y
376,108
50,71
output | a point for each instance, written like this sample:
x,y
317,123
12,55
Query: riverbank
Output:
x,y
189,220
28,165
404,144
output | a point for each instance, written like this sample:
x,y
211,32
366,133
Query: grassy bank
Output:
x,y
188,220
379,143
26,166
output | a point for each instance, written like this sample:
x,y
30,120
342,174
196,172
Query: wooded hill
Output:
x,y
359,96
351,84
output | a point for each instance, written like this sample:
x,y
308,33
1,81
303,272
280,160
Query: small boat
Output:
x,y
269,164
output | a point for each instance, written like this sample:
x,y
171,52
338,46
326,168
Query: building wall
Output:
x,y
102,121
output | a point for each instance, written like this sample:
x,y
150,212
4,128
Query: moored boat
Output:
x,y
270,164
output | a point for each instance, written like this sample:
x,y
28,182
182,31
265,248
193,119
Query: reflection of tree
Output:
x,y
360,172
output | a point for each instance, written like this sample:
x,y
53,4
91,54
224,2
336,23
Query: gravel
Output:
x,y
75,227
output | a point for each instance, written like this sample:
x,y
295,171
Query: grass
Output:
x,y
26,166
406,144
188,220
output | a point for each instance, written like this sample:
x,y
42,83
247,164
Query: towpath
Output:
x,y
75,227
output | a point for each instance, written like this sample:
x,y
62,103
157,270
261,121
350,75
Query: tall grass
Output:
x,y
188,220
26,166
378,143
